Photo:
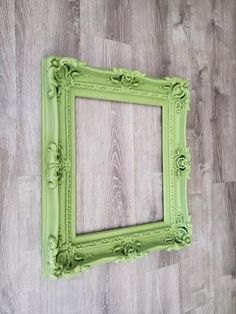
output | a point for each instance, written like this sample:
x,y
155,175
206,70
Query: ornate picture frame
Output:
x,y
64,252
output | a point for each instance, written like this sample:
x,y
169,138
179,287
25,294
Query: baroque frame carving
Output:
x,y
64,252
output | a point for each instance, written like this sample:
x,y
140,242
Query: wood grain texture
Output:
x,y
8,178
111,144
193,39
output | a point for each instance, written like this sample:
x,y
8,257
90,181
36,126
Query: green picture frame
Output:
x,y
64,252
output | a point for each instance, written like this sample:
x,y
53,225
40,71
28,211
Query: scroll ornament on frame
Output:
x,y
182,162
56,165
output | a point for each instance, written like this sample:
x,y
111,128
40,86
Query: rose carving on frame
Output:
x,y
129,249
126,78
182,162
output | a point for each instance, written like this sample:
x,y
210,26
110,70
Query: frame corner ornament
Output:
x,y
179,94
64,258
64,252
182,230
62,72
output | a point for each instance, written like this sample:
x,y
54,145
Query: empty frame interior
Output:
x,y
119,165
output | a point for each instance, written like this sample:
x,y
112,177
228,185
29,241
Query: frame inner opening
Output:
x,y
119,179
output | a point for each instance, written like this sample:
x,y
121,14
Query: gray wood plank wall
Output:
x,y
193,39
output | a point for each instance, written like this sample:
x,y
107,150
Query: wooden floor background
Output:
x,y
192,39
